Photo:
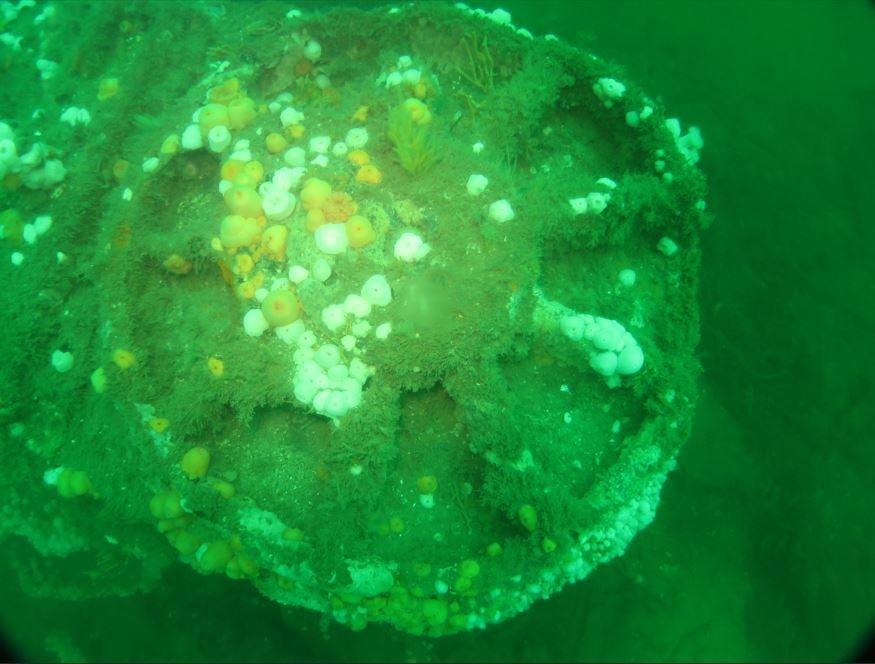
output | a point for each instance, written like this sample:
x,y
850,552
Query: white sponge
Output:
x,y
331,238
410,248
501,211
254,323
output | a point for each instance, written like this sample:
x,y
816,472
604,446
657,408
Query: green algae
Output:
x,y
416,146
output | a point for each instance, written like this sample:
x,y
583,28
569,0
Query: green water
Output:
x,y
761,548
